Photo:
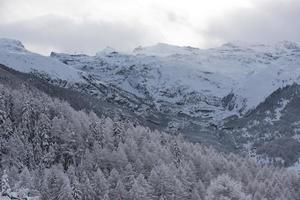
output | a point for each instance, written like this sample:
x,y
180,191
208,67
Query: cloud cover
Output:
x,y
57,33
91,25
266,22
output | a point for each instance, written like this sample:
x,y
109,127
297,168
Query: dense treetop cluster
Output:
x,y
50,151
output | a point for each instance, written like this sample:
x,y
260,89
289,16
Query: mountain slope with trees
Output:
x,y
49,150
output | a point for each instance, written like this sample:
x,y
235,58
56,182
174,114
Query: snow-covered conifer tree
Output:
x,y
100,184
5,187
224,187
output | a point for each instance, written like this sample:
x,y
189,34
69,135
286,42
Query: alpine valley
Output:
x,y
239,97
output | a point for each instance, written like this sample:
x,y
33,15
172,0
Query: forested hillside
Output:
x,y
51,151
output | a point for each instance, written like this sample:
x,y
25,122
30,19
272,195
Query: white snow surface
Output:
x,y
162,49
198,78
14,55
251,71
192,79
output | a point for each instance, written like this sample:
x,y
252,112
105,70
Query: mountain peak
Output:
x,y
236,43
163,50
11,45
107,50
288,44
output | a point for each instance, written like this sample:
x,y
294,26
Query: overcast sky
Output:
x,y
87,26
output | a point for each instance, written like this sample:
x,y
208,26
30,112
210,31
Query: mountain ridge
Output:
x,y
206,94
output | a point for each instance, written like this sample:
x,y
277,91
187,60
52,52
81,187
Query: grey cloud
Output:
x,y
177,18
172,16
2,7
268,21
68,35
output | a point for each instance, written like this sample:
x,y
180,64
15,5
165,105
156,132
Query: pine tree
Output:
x,y
100,184
142,182
128,178
88,161
113,178
138,192
74,183
195,195
131,150
49,158
87,189
162,182
120,158
38,178
5,187
177,154
106,197
66,191
42,131
76,190
14,177
187,176
27,116
6,128
17,152
224,187
53,183
118,131
108,139
25,179
200,189
119,193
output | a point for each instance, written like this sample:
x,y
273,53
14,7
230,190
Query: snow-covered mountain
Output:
x,y
244,66
195,80
14,55
180,88
176,79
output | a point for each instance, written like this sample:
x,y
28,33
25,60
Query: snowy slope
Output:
x,y
194,81
171,83
14,54
163,50
249,65
175,79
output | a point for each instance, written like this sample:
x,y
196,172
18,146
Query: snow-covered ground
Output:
x,y
180,75
14,54
193,80
251,71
